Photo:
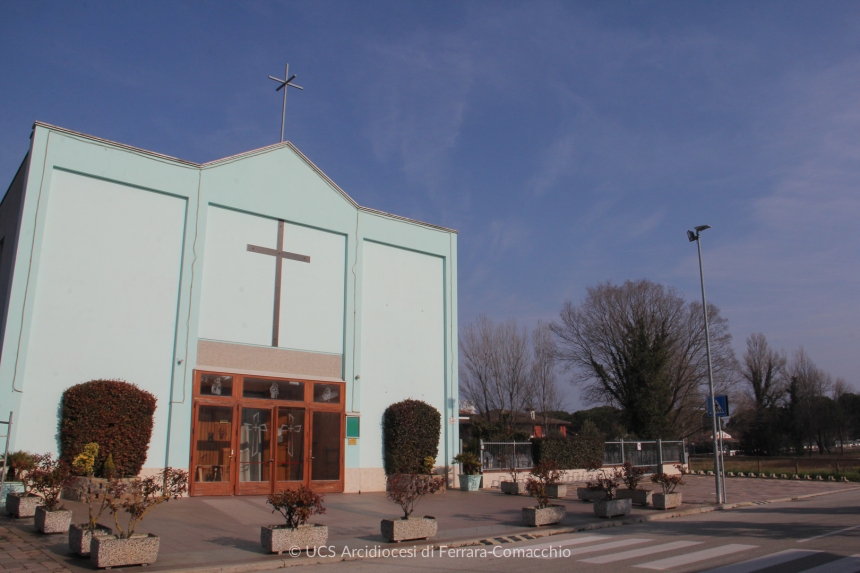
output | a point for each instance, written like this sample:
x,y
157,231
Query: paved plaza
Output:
x,y
223,533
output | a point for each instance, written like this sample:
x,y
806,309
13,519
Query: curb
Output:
x,y
283,563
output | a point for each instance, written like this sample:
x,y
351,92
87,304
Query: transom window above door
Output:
x,y
235,386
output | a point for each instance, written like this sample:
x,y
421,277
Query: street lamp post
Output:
x,y
717,473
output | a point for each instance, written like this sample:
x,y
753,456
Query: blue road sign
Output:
x,y
722,406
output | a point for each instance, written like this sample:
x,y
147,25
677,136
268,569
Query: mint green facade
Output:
x,y
122,263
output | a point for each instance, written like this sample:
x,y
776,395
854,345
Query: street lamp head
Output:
x,y
701,228
692,236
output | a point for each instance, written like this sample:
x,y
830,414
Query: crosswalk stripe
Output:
x,y
765,561
566,542
696,556
829,533
600,547
641,552
845,565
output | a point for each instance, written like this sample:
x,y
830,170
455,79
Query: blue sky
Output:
x,y
569,143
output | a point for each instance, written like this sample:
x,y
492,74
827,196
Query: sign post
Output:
x,y
722,407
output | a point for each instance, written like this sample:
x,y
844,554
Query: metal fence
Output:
x,y
506,455
644,453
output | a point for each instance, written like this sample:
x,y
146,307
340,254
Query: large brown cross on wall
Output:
x,y
280,254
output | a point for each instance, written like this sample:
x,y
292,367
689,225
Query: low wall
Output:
x,y
492,479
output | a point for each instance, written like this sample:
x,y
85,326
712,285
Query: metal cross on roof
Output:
x,y
284,84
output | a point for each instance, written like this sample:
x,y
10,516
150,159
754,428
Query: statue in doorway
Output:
x,y
216,386
274,391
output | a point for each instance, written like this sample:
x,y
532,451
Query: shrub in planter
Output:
x,y
136,498
592,490
632,476
296,506
470,479
610,506
22,504
406,490
95,495
511,487
669,498
411,431
49,477
543,475
112,413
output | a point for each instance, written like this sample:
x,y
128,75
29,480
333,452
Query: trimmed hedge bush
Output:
x,y
116,415
574,452
411,431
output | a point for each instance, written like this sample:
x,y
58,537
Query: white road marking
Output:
x,y
761,562
641,552
574,541
600,547
829,533
670,562
845,565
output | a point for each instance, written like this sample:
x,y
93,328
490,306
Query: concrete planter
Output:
x,y
585,494
612,507
639,496
535,517
666,501
280,538
407,529
110,551
469,482
556,491
80,537
52,521
22,505
510,487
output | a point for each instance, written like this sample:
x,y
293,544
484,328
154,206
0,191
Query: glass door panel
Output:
x,y
290,448
326,446
255,446
213,448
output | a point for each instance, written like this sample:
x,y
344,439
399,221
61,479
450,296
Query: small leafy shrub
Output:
x,y
428,466
85,462
470,462
114,414
49,477
411,431
406,490
96,497
297,505
137,497
19,463
606,482
542,475
510,464
109,468
574,452
631,475
669,481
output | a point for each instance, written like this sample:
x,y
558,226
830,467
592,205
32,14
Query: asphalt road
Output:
x,y
817,535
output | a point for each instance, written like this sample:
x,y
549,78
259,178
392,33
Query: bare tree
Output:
x,y
544,382
640,347
763,369
838,392
494,373
808,387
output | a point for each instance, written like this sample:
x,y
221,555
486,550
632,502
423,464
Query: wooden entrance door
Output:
x,y
254,435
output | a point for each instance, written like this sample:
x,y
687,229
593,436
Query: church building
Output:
x,y
273,318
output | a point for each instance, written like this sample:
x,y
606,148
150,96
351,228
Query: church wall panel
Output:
x,y
237,293
105,298
402,337
312,295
